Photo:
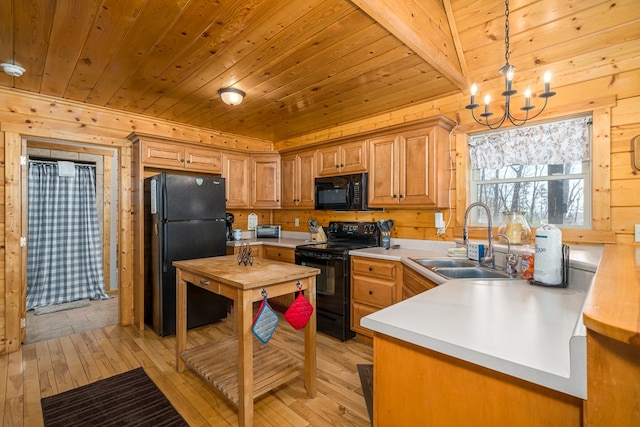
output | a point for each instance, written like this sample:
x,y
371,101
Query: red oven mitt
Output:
x,y
299,312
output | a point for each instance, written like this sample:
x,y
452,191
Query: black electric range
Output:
x,y
333,284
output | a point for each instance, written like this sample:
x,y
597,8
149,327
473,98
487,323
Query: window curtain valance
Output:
x,y
554,143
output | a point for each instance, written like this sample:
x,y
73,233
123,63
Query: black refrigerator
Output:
x,y
184,219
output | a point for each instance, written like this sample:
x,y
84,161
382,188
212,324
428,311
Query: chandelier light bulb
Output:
x,y
487,99
510,74
474,89
547,76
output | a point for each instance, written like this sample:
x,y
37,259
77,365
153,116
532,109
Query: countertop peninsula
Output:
x,y
529,332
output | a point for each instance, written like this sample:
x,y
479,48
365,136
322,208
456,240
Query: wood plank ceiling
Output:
x,y
305,65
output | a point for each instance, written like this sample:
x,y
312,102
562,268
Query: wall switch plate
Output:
x,y
296,222
637,233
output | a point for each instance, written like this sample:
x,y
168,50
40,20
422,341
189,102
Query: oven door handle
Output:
x,y
349,193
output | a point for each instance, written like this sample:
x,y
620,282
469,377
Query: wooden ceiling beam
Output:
x,y
425,29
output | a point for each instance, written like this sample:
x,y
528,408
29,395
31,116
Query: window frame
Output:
x,y
600,231
474,180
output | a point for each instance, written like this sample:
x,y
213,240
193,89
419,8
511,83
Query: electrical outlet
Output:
x,y
297,222
637,233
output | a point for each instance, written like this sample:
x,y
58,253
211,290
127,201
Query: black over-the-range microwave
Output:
x,y
342,193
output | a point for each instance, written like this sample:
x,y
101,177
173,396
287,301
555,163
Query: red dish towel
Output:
x,y
299,312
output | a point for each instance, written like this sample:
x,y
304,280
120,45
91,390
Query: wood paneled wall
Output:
x,y
618,95
23,114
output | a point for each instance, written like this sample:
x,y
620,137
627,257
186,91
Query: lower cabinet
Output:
x,y
416,386
414,283
375,284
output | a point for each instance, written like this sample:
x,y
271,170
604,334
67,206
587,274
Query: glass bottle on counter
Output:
x,y
527,263
515,227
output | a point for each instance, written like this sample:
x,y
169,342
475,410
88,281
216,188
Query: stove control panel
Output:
x,y
360,230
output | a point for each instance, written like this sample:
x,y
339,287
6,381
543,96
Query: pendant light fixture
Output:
x,y
231,96
508,71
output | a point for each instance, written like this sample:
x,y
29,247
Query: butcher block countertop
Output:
x,y
613,306
262,273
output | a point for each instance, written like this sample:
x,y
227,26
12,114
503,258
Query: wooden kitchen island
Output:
x,y
231,366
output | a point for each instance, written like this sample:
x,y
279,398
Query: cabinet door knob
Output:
x,y
370,268
394,196
401,196
189,161
370,292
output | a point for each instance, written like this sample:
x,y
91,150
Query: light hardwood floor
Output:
x,y
49,367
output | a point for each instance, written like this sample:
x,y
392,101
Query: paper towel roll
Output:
x,y
548,259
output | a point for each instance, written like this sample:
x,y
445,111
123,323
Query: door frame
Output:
x,y
15,269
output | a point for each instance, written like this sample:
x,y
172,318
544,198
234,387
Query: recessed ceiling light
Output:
x,y
12,69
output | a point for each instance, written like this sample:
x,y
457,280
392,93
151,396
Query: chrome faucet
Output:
x,y
512,259
487,260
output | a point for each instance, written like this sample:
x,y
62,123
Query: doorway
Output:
x,y
82,315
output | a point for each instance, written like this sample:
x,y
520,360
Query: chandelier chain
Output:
x,y
506,31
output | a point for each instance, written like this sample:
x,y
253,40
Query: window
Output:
x,y
542,170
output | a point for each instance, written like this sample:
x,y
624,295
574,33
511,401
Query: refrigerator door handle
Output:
x,y
165,248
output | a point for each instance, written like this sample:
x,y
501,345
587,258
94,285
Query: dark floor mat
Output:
x,y
366,379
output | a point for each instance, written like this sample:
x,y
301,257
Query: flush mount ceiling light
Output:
x,y
508,71
12,69
231,96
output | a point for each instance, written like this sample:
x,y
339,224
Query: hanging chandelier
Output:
x,y
508,71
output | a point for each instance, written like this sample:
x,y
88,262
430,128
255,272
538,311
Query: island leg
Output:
x,y
181,319
310,378
244,319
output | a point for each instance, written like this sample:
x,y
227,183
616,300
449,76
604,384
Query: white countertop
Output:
x,y
289,239
529,332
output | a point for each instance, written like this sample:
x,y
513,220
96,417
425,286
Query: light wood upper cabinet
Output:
x,y
265,181
236,173
410,168
298,180
342,159
177,156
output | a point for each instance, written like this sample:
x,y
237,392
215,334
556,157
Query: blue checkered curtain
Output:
x,y
64,249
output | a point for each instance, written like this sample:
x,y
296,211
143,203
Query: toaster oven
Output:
x,y
268,232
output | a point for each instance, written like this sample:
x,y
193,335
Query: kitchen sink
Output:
x,y
444,262
470,273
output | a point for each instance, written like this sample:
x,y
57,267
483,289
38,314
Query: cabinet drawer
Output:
x,y
358,312
374,267
370,291
278,253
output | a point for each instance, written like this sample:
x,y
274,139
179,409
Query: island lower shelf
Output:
x,y
217,364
